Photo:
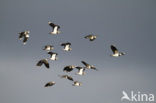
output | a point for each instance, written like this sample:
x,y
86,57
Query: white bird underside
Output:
x,y
55,30
81,72
77,84
115,55
67,48
53,57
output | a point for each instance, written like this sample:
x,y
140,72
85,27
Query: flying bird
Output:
x,y
43,61
67,77
66,46
115,51
77,83
90,37
24,35
48,47
53,56
55,28
88,66
68,68
51,83
80,70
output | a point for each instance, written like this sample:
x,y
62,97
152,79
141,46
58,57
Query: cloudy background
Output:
x,y
128,24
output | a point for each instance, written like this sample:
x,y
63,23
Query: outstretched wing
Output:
x,y
21,35
25,40
114,49
88,36
51,24
70,78
83,62
46,63
39,63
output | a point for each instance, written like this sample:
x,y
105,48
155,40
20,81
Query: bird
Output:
x,y
67,77
66,46
80,70
53,56
24,35
88,66
77,83
43,61
90,37
55,28
48,47
125,96
51,83
68,68
115,51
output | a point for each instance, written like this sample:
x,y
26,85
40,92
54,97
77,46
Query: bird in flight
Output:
x,y
43,61
24,35
53,56
115,51
90,37
80,70
68,68
55,28
66,46
48,47
67,77
51,83
77,83
88,66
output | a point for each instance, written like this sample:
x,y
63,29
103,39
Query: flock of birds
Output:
x,y
67,47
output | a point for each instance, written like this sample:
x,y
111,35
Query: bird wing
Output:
x,y
63,44
78,68
114,49
94,68
68,43
83,62
25,39
52,25
88,36
21,35
39,63
50,53
46,63
70,78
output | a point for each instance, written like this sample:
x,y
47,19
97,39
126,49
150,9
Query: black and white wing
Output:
x,y
86,64
43,61
114,49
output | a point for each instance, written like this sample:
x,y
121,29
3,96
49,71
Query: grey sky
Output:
x,y
128,24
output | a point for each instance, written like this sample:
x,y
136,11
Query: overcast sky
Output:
x,y
130,25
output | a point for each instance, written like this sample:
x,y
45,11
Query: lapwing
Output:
x,y
51,83
68,68
67,77
88,66
66,46
48,47
43,61
53,56
24,35
116,53
90,37
55,28
80,70
77,83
